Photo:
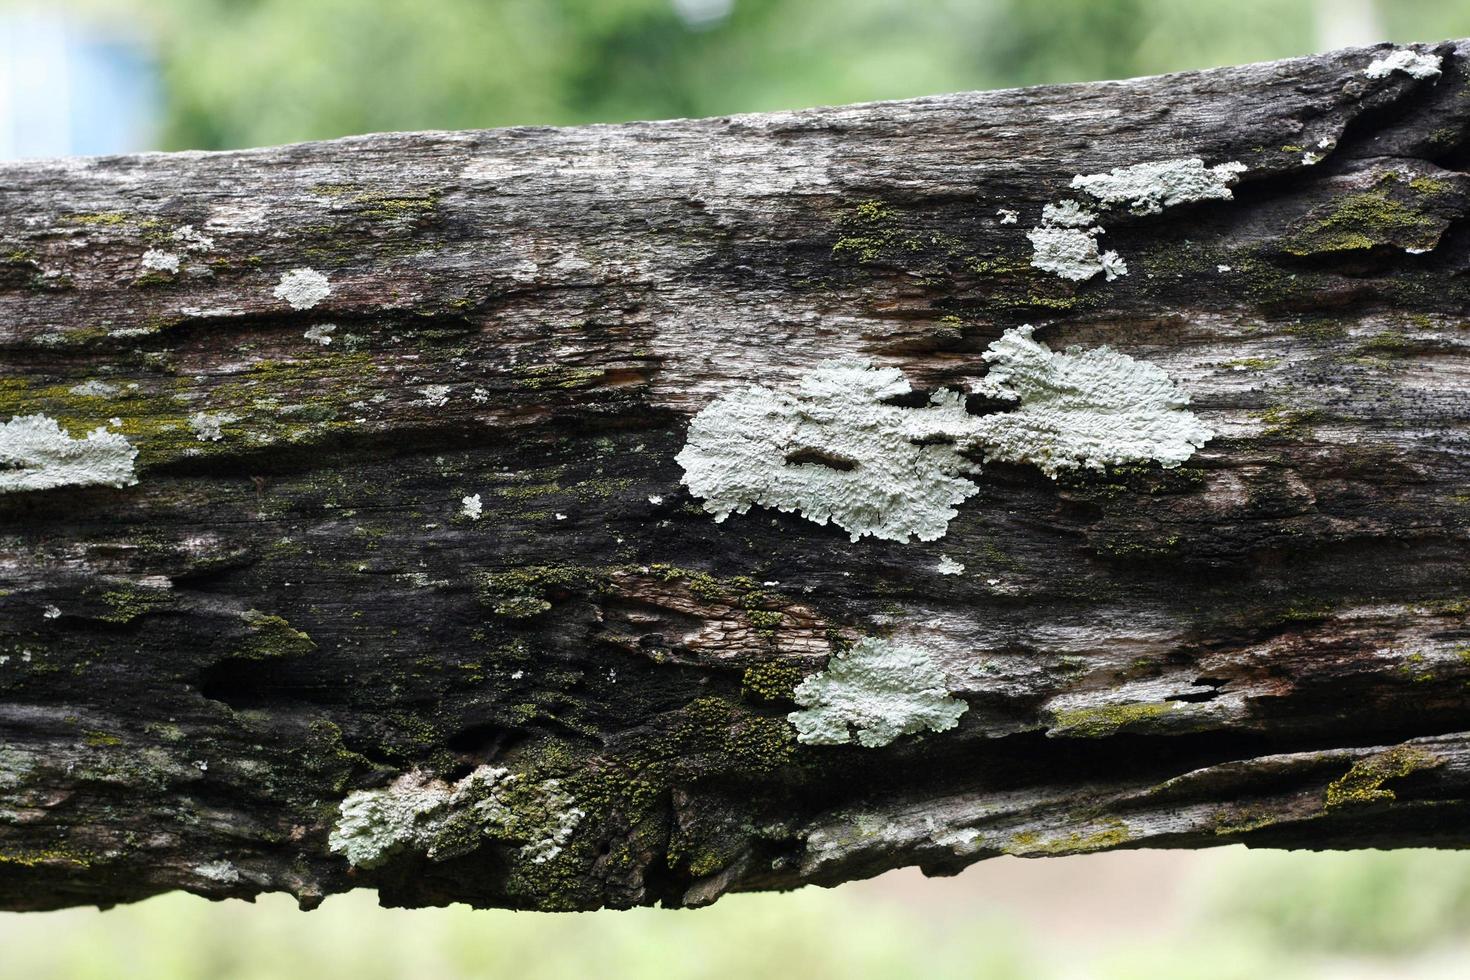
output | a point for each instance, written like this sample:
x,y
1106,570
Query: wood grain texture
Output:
x,y
1269,644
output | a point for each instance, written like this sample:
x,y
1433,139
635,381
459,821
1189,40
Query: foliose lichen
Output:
x,y
1406,60
1148,188
428,817
834,451
1083,408
37,454
838,451
302,288
1065,244
873,693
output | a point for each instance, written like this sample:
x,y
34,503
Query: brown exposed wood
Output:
x,y
1268,644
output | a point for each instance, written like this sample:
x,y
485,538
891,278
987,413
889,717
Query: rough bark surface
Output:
x,y
579,698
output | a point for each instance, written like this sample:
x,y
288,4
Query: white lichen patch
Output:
x,y
1007,216
221,871
1148,188
471,507
1068,214
37,454
872,694
948,566
156,260
834,452
439,820
192,240
93,389
410,813
321,333
206,425
435,396
1065,244
302,288
1406,60
566,818
1083,408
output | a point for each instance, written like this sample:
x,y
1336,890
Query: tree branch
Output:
x,y
359,498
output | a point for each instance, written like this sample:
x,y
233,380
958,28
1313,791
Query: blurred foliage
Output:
x,y
254,72
1245,915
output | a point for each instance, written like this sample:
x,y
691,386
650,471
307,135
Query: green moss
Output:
x,y
40,857
1363,782
326,757
98,218
1283,422
870,229
556,376
1365,220
101,740
1113,834
1252,364
774,680
526,592
1387,343
765,622
127,603
1307,611
387,207
1241,820
1109,719
272,638
1430,185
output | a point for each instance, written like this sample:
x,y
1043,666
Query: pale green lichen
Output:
x,y
302,288
428,817
872,694
1406,60
1083,408
1065,244
837,450
1149,188
36,453
834,451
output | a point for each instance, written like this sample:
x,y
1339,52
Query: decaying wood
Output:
x,y
293,604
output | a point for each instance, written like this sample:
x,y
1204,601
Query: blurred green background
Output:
x,y
238,73
219,74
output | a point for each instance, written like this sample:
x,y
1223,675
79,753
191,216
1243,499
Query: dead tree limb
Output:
x,y
357,499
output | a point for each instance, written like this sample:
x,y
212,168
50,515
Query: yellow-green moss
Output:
x,y
1368,219
525,592
127,603
1103,721
1283,422
547,376
1113,834
868,230
774,680
98,218
383,207
272,638
1363,782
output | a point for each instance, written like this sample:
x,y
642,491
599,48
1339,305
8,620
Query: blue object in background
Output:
x,y
68,87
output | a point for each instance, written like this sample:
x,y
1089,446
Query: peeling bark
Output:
x,y
408,540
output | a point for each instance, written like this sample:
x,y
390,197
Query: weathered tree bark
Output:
x,y
408,556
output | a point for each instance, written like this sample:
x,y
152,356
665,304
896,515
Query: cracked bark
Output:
x,y
1267,645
